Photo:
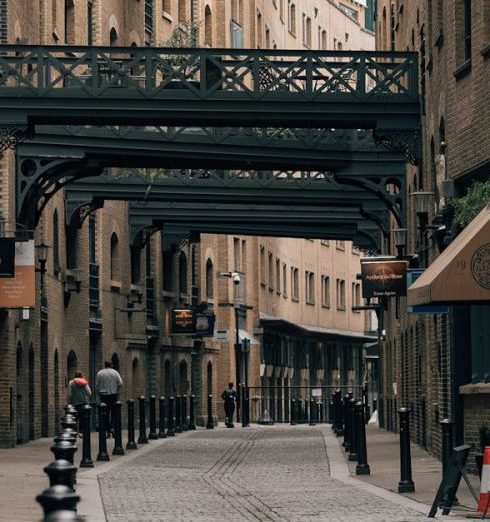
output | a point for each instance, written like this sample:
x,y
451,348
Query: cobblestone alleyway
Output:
x,y
261,473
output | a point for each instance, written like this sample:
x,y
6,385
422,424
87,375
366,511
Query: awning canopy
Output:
x,y
244,334
461,274
313,332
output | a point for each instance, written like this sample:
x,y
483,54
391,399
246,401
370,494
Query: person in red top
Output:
x,y
79,392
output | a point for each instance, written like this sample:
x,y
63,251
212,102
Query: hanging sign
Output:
x,y
7,257
383,278
183,321
19,291
204,325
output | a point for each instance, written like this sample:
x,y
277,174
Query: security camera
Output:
x,y
236,278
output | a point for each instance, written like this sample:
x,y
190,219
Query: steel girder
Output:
x,y
205,87
352,156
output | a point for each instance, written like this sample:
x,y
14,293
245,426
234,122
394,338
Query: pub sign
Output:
x,y
183,321
383,278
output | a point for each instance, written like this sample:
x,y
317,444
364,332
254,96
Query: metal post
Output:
x,y
242,392
161,418
58,498
171,417
210,423
118,447
306,412
339,428
406,484
246,405
184,413
347,427
192,413
153,418
293,412
299,411
61,472
447,427
86,461
319,411
178,414
362,467
353,431
331,411
142,439
312,412
131,443
237,358
64,450
103,455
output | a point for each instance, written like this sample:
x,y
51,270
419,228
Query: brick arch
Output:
x,y
114,24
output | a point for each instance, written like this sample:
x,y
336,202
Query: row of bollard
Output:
x,y
307,411
59,501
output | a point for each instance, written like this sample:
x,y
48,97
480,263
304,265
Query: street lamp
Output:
x,y
399,236
421,204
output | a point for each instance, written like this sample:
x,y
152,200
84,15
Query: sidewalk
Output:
x,y
384,460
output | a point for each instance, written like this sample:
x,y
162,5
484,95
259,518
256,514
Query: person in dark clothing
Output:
x,y
79,394
229,397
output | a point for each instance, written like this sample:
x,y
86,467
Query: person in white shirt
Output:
x,y
107,384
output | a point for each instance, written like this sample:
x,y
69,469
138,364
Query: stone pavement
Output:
x,y
261,473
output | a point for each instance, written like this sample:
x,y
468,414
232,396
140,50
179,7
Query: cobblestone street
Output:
x,y
261,473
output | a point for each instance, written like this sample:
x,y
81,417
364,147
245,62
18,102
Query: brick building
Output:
x,y
436,363
123,309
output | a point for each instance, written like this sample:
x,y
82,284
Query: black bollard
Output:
x,y
69,421
406,484
306,411
61,472
171,417
63,515
65,436
312,412
118,447
339,420
299,410
64,450
161,418
331,411
153,418
347,419
142,439
362,467
192,412
184,413
447,427
131,442
103,455
86,461
178,414
246,406
293,412
353,431
58,497
210,423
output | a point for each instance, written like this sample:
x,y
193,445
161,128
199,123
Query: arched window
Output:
x,y
71,364
183,382
56,244
236,11
115,361
292,19
208,27
182,11
209,279
69,22
182,273
114,256
113,37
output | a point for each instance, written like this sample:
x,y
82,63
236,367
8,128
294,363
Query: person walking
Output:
x,y
229,397
107,383
79,394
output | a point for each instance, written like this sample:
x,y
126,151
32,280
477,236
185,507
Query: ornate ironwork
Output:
x,y
11,136
401,141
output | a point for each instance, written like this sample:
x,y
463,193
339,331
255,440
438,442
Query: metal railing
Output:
x,y
58,71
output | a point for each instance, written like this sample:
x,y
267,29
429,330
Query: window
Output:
x,y
292,18
167,270
135,253
90,12
114,257
356,295
167,6
271,272
325,242
236,254
259,29
56,244
467,30
325,291
262,265
91,239
278,276
281,10
310,287
54,17
236,35
236,11
340,244
306,30
209,279
208,27
340,294
69,22
182,11
284,280
267,38
294,284
182,273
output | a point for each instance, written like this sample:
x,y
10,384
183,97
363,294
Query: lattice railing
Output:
x,y
90,72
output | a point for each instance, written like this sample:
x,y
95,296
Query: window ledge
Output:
x,y
311,303
291,33
475,389
463,70
341,308
327,307
295,299
167,16
168,293
116,285
485,52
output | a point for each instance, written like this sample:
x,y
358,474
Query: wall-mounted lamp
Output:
x,y
422,202
72,283
42,257
399,238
